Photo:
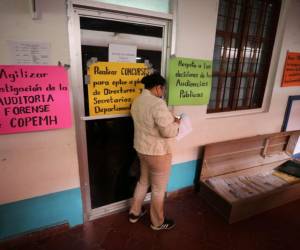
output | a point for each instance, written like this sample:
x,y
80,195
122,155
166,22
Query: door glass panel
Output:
x,y
112,161
154,5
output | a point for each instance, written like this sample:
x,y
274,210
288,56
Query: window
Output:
x,y
243,47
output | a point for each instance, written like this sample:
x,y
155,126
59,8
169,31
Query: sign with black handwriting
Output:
x,y
291,73
189,81
33,98
113,86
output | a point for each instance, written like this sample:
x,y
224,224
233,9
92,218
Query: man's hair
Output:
x,y
153,80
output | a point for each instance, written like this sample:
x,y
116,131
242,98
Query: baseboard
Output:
x,y
38,235
181,192
38,213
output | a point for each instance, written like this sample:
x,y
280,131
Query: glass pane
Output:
x,y
254,15
216,65
232,65
223,8
212,105
221,23
154,5
226,97
251,67
243,82
246,67
236,27
240,103
242,92
215,82
213,93
266,31
120,27
218,52
226,94
221,91
110,180
219,41
238,11
247,53
255,102
234,44
267,28
252,28
231,52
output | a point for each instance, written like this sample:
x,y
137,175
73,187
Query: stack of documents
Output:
x,y
241,187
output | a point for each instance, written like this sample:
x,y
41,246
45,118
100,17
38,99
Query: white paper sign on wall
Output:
x,y
122,53
29,53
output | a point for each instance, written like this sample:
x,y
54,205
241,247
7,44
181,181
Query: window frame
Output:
x,y
238,73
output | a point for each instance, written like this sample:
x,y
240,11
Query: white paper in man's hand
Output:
x,y
185,127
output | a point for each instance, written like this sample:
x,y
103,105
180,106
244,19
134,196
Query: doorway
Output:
x,y
112,161
109,166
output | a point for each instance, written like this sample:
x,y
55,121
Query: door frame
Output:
x,y
92,9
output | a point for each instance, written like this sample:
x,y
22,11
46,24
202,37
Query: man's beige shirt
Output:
x,y
154,125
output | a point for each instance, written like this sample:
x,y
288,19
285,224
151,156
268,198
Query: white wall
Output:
x,y
33,164
196,25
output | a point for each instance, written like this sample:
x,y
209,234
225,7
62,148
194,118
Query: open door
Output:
x,y
109,166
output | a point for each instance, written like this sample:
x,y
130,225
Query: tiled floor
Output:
x,y
198,227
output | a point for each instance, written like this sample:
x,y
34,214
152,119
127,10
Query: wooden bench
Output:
x,y
237,176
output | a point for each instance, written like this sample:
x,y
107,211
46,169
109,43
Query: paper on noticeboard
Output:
x,y
185,127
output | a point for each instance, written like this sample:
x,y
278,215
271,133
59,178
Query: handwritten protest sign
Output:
x,y
291,73
33,98
113,86
189,81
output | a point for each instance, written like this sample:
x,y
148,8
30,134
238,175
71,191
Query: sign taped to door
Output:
x,y
113,86
33,98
